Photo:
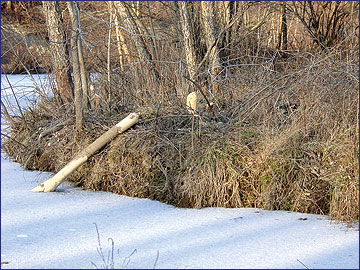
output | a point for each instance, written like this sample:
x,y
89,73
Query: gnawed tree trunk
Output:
x,y
59,53
76,66
191,103
208,11
188,38
52,183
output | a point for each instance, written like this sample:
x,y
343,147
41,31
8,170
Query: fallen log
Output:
x,y
52,183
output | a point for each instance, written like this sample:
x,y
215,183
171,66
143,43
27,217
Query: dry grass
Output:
x,y
277,140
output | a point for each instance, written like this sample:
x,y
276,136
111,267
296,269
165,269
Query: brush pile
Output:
x,y
275,140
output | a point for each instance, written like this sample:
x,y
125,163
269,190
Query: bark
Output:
x,y
153,39
59,53
229,7
109,55
130,24
282,43
188,38
76,66
208,10
121,45
83,75
52,183
143,30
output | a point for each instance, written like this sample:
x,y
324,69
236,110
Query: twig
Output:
x,y
157,114
121,27
156,260
111,261
54,128
7,115
302,264
16,100
99,249
128,259
7,136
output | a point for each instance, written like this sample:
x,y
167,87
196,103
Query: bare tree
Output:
x,y
59,53
121,44
76,65
324,21
188,38
282,41
130,23
208,11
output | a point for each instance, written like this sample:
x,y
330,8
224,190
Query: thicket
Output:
x,y
282,133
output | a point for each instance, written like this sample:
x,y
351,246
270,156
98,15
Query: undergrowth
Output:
x,y
284,140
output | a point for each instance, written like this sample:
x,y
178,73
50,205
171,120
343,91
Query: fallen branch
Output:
x,y
52,183
54,128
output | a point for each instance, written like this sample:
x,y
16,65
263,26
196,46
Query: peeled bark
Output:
x,y
52,183
59,53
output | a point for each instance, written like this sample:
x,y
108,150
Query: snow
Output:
x,y
23,87
57,230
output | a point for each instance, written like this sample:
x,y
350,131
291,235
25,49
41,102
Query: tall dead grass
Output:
x,y
284,139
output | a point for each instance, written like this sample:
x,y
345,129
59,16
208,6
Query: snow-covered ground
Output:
x,y
24,89
58,230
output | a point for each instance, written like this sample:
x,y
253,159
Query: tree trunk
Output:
x,y
52,183
131,25
188,38
83,75
121,45
109,56
59,53
208,11
76,66
229,7
282,43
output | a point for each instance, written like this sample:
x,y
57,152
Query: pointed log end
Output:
x,y
45,187
39,188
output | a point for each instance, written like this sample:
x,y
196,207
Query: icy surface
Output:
x,y
57,230
27,94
